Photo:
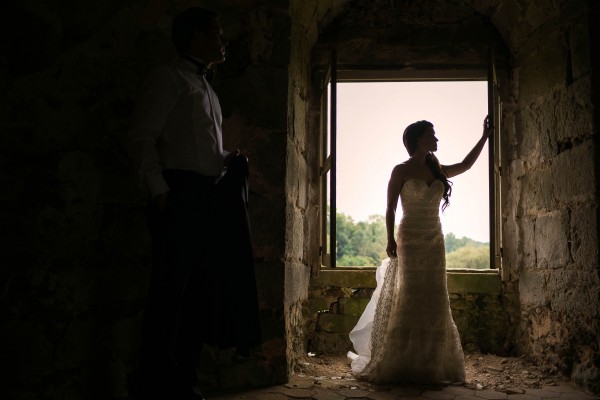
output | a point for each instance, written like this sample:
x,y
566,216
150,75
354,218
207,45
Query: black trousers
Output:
x,y
203,287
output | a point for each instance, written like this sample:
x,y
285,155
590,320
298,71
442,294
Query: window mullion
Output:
x,y
494,113
325,167
332,159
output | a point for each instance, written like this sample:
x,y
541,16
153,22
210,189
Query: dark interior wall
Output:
x,y
75,252
75,248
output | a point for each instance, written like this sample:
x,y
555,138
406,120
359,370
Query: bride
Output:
x,y
406,333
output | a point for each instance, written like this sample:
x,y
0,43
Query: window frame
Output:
x,y
424,73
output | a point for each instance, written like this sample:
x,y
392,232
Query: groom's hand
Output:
x,y
160,200
229,157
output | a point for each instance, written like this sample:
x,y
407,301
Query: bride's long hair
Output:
x,y
411,137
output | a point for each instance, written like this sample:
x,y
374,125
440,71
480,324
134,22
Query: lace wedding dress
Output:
x,y
406,333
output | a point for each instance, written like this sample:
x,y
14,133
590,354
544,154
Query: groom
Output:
x,y
202,253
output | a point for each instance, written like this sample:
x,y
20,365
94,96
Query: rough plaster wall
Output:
x,y
75,248
551,220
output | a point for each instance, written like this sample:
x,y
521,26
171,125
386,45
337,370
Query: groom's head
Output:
x,y
197,32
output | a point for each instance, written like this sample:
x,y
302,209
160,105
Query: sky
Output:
x,y
371,119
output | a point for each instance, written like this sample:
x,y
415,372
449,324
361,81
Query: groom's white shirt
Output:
x,y
177,124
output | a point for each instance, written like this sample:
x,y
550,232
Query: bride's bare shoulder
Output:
x,y
401,170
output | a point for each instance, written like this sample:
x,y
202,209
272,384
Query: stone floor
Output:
x,y
306,388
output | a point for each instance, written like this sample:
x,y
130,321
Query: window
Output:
x,y
335,84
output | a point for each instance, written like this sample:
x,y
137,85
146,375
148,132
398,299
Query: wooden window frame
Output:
x,y
425,73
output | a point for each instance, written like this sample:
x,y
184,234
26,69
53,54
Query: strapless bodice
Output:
x,y
419,199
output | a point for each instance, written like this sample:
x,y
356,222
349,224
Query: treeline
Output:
x,y
466,253
360,243
363,244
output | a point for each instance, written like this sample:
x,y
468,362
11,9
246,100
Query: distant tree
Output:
x,y
344,232
360,243
475,257
363,244
355,261
453,243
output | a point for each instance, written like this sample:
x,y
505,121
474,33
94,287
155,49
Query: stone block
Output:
x,y
363,278
537,129
482,319
573,173
572,111
483,282
527,243
297,277
585,374
584,237
527,132
532,288
292,171
551,240
507,16
294,238
336,323
536,190
318,305
548,132
579,41
574,292
512,244
538,14
353,306
543,67
300,111
324,342
267,86
302,200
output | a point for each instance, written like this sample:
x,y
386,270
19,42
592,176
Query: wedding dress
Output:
x,y
406,333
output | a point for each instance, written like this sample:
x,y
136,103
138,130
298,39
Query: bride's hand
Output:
x,y
488,127
391,249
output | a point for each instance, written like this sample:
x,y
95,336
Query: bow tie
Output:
x,y
202,69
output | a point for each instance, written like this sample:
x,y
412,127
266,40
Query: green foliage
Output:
x,y
355,261
360,243
477,257
466,253
453,243
363,243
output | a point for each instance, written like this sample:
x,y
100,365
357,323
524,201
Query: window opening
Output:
x,y
371,119
371,116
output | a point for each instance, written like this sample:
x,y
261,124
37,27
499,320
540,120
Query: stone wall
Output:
x,y
338,298
551,231
302,177
550,92
75,249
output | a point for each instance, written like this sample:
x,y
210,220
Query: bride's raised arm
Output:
x,y
469,160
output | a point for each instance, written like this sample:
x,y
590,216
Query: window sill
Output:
x,y
459,280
